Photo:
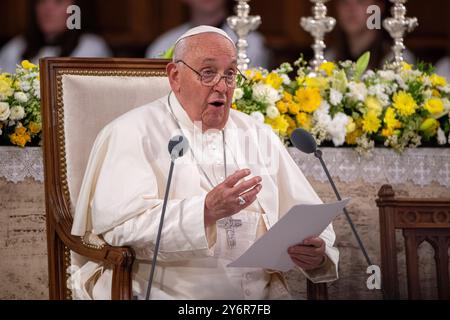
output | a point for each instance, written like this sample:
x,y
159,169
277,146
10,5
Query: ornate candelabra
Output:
x,y
397,25
242,24
318,26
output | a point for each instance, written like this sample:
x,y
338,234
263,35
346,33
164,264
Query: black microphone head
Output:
x,y
303,140
178,146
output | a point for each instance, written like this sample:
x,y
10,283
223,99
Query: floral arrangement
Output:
x,y
344,104
20,111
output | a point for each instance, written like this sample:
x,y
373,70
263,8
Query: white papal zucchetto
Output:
x,y
203,29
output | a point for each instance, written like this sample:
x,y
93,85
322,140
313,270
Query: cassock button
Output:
x,y
248,276
248,292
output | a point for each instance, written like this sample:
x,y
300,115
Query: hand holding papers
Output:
x,y
300,222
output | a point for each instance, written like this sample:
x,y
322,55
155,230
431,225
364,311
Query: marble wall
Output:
x,y
23,262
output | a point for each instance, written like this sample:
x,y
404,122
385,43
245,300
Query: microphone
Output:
x,y
178,147
305,142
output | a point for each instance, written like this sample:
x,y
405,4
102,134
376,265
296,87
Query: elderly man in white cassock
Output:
x,y
233,184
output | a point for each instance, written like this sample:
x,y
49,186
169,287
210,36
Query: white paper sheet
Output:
x,y
300,222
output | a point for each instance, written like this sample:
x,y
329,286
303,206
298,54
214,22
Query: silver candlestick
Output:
x,y
242,25
397,25
318,26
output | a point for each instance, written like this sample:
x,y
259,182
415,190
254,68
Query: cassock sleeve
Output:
x,y
295,189
126,202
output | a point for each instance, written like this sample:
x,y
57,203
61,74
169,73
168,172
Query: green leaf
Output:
x,y
168,54
339,82
361,65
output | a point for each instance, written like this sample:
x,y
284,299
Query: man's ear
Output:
x,y
174,76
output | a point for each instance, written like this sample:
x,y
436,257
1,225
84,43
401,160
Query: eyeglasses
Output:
x,y
210,78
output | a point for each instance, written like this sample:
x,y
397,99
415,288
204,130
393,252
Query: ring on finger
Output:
x,y
241,200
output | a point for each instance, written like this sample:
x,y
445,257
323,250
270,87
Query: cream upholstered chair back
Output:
x,y
79,97
93,98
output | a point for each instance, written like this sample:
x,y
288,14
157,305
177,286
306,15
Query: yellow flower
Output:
x,y
406,66
328,67
387,132
373,104
20,137
28,65
351,126
303,120
20,131
6,89
437,80
301,80
274,80
316,82
390,120
309,99
34,127
234,106
371,123
429,127
279,124
292,125
282,106
434,105
254,75
435,93
293,107
287,96
351,137
404,103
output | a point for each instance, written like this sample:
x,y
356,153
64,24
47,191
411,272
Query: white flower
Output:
x,y
335,97
441,138
238,94
265,93
4,111
427,94
368,74
337,128
272,112
258,116
386,75
427,82
25,86
322,114
21,97
446,103
37,88
17,113
285,78
358,91
378,91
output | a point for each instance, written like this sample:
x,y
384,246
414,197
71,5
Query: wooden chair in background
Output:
x,y
420,220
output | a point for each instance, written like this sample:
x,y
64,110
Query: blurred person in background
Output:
x,y
47,35
443,65
213,13
351,36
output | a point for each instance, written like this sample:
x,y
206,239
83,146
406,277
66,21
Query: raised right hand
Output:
x,y
222,201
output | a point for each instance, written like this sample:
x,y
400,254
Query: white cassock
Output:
x,y
122,194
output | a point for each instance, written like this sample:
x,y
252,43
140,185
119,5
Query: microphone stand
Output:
x,y
161,221
318,155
